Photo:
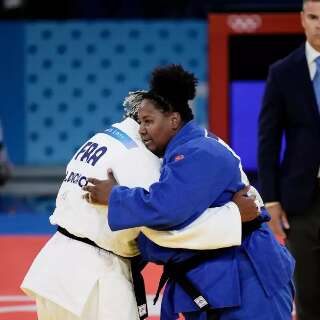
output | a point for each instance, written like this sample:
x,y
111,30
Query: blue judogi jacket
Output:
x,y
199,172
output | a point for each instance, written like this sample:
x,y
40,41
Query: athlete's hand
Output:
x,y
99,190
246,204
279,222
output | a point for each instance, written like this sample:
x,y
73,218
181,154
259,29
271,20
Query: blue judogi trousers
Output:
x,y
255,304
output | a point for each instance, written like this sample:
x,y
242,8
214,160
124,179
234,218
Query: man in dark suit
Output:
x,y
290,184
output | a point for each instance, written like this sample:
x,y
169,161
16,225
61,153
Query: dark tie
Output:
x,y
316,82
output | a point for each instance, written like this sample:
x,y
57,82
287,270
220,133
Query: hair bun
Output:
x,y
173,83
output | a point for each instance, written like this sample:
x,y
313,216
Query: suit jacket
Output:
x,y
289,107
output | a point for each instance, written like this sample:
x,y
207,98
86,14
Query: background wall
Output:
x,y
66,80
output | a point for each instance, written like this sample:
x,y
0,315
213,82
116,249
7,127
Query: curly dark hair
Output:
x,y
171,87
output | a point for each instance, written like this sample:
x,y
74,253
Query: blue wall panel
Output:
x,y
63,81
77,74
12,93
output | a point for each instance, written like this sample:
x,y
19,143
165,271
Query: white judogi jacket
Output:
x,y
66,271
120,149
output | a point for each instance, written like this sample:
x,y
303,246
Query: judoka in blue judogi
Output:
x,y
248,282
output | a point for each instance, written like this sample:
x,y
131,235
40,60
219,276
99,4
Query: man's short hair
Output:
x,y
305,1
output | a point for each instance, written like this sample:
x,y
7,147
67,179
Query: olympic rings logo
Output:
x,y
244,23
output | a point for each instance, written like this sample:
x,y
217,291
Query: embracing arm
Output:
x,y
186,188
215,228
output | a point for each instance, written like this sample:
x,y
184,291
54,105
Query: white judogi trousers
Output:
x,y
89,283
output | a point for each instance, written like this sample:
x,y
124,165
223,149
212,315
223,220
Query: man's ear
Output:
x,y
175,120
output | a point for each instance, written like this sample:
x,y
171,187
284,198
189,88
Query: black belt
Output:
x,y
138,285
249,227
85,240
137,279
177,271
